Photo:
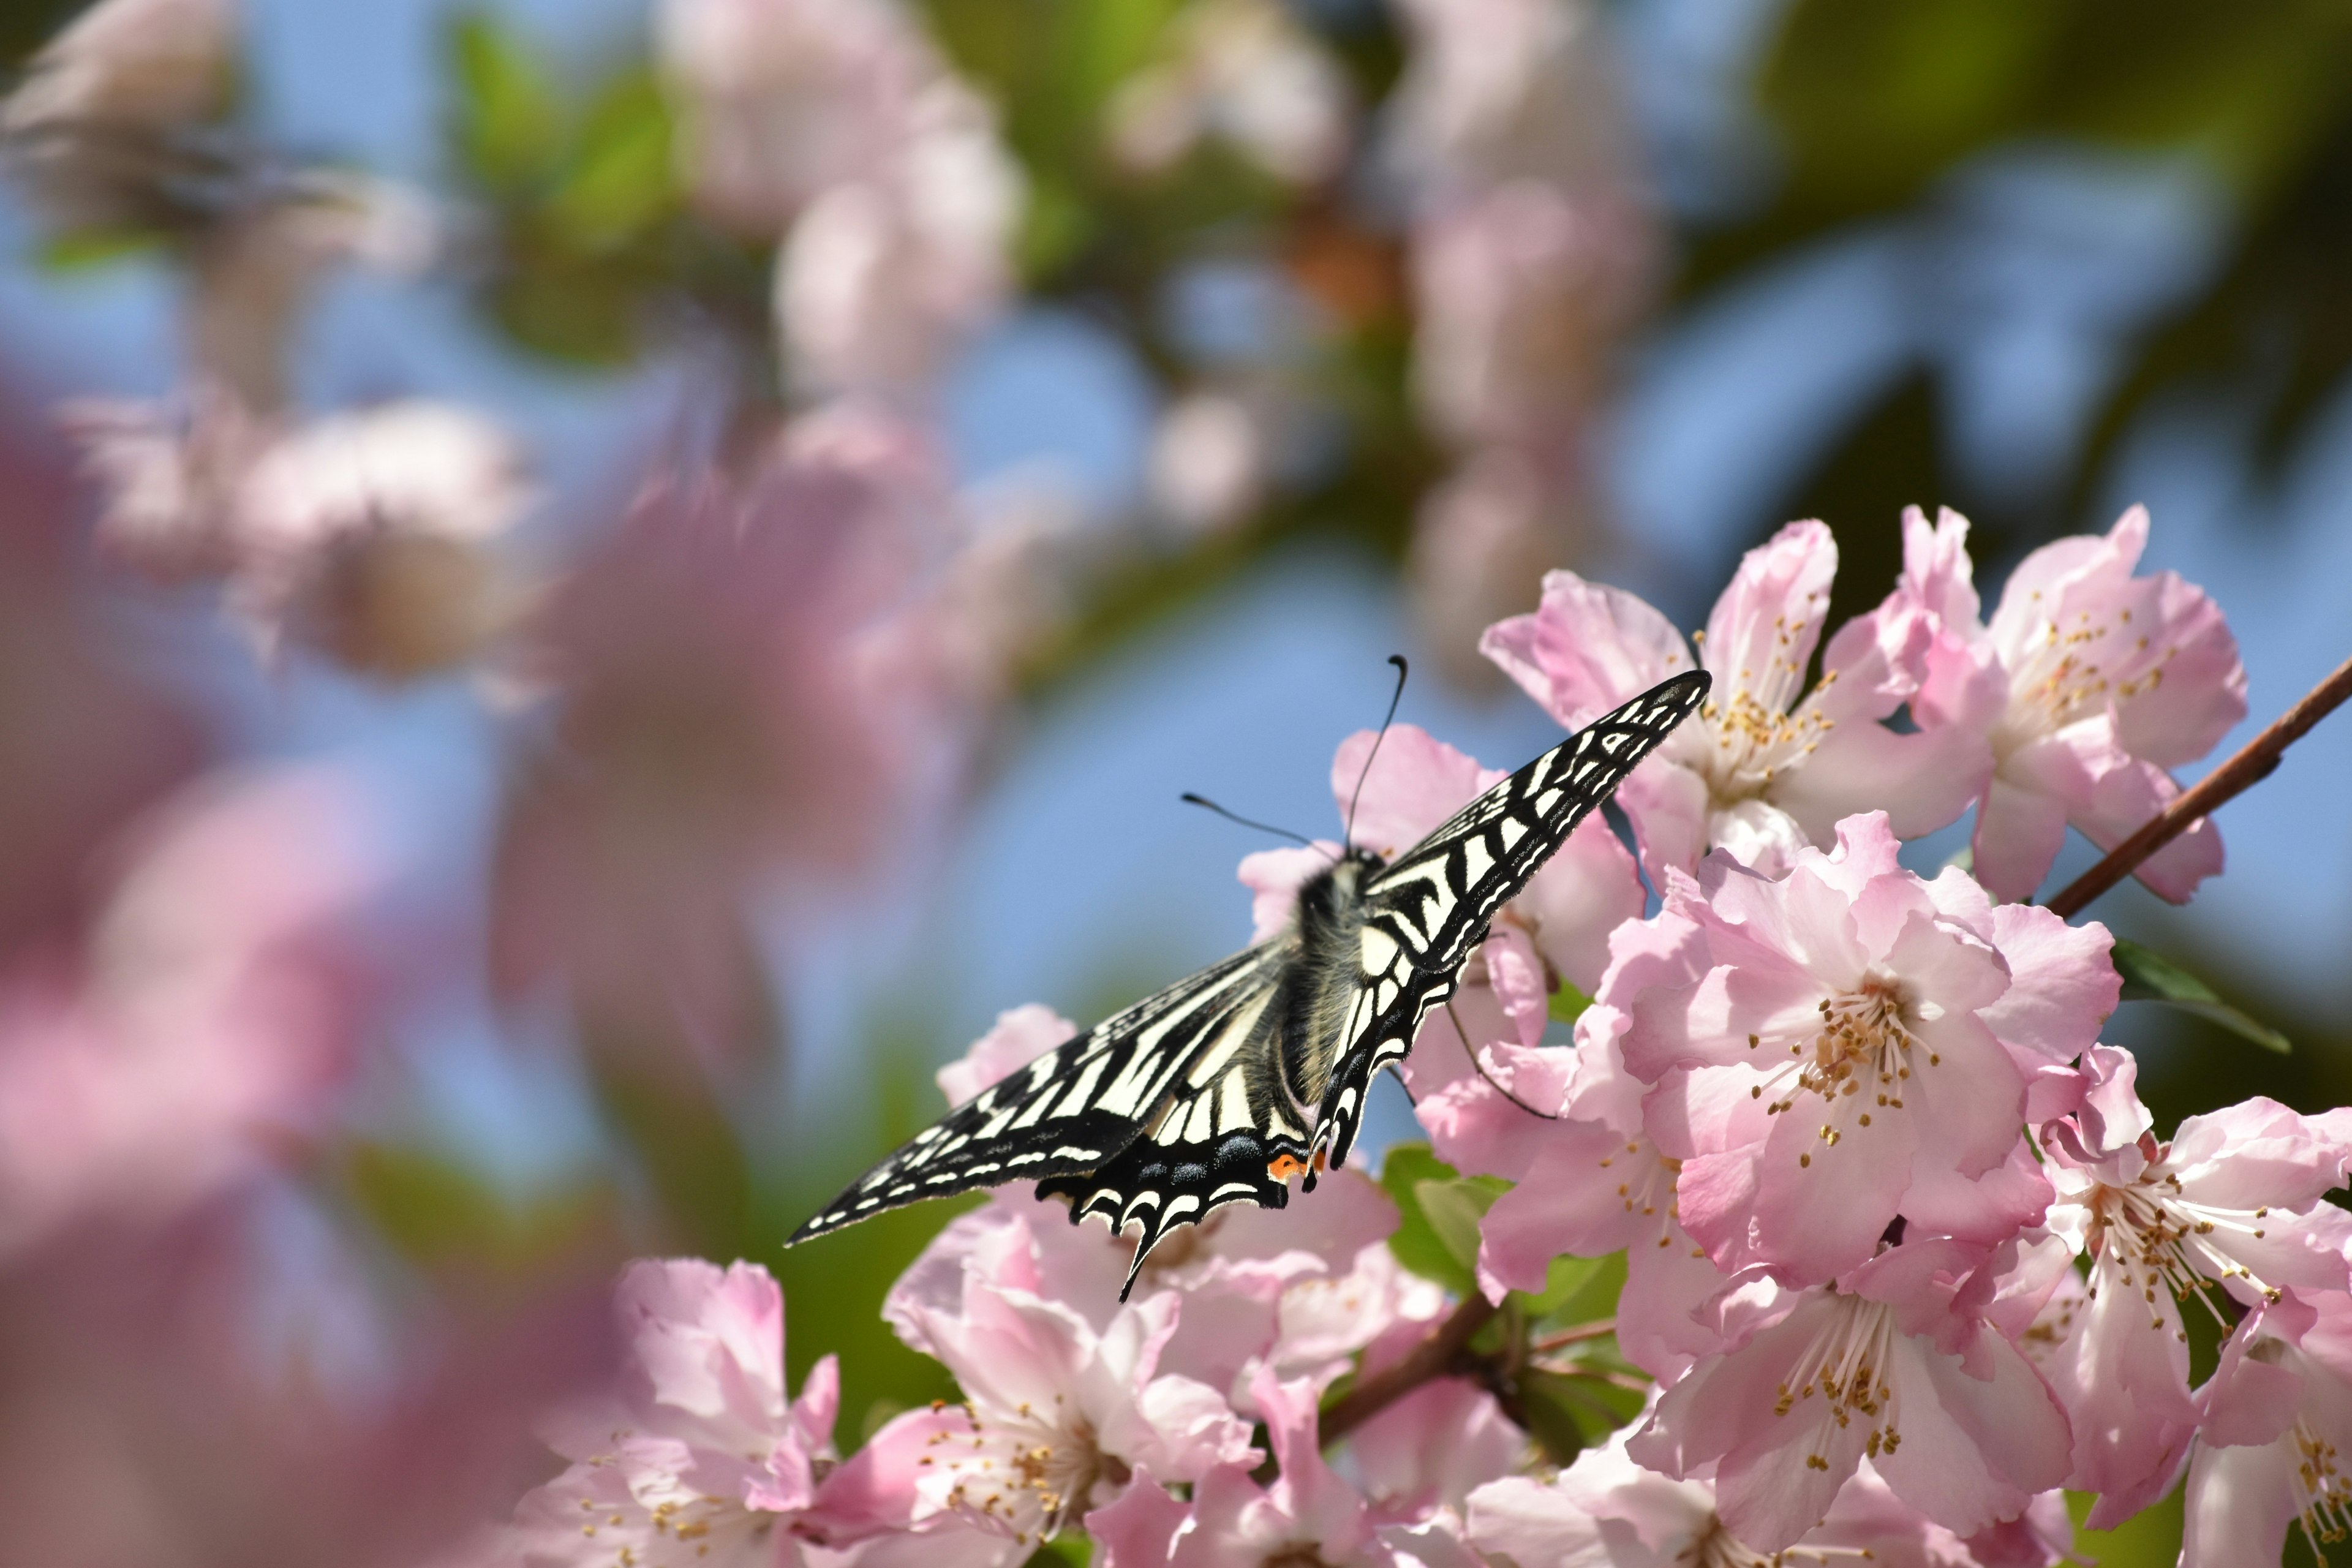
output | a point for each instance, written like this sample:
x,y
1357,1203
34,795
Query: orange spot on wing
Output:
x,y
1286,1166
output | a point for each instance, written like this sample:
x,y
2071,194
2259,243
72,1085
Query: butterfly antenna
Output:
x,y
1394,697
1188,798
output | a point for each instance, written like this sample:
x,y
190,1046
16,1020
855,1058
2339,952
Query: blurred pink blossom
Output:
x,y
1496,90
882,278
699,1447
1769,767
367,536
715,723
213,1016
1606,1511
2105,681
2276,1420
105,115
783,100
2235,1196
1243,71
1851,1052
1896,1362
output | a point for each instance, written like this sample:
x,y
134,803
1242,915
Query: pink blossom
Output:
x,y
2236,1196
1769,767
701,1446
1241,71
1521,292
1896,1362
2277,1418
1851,1053
1606,1511
1258,1288
2106,681
1309,1512
1019,1037
714,725
882,278
1431,1449
1484,535
94,131
785,99
1059,1416
214,1017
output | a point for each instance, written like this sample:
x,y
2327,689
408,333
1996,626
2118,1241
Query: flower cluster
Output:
x,y
1903,1255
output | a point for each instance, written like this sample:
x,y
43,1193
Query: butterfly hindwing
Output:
x,y
1425,910
1072,1109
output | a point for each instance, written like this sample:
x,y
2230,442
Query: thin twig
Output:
x,y
2253,764
1430,1358
1600,1327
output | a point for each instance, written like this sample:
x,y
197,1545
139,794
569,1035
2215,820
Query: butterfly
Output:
x,y
1223,1086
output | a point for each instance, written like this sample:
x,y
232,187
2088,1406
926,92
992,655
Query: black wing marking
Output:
x,y
1427,909
1075,1108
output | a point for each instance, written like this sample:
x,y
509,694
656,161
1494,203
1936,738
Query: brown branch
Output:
x,y
1600,1327
1433,1357
2251,765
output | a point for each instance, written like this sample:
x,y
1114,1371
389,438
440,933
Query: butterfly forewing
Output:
x,y
1426,909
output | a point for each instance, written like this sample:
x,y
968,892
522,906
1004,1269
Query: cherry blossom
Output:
x,y
1850,1053
1896,1362
2105,681
1768,767
785,99
1058,1415
1309,1513
701,1459
883,277
213,1019
111,105
2276,1420
2235,1198
1241,71
1606,1510
713,722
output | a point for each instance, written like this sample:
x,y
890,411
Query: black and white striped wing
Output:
x,y
1429,907
1081,1104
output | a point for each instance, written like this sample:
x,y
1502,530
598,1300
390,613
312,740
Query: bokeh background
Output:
x,y
1157,367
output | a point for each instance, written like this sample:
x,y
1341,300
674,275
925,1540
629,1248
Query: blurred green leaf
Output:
x,y
2149,1539
620,177
1454,1209
87,249
2152,978
1579,1290
1568,1004
508,119
673,1121
436,1212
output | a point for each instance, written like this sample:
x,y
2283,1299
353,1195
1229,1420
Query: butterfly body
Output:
x,y
1221,1087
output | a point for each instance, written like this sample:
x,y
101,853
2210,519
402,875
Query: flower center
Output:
x,y
1757,737
1845,1367
1858,1062
2323,1491
1716,1547
2066,671
2152,1236
1031,1474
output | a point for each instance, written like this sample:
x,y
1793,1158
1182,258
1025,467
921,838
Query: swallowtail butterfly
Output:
x,y
1221,1087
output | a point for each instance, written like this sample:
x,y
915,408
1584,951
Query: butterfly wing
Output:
x,y
1426,909
1079,1105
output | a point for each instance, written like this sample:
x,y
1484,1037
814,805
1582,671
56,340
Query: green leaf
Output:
x,y
622,177
2152,978
1568,1004
1549,1402
1437,1215
508,119
1071,1549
